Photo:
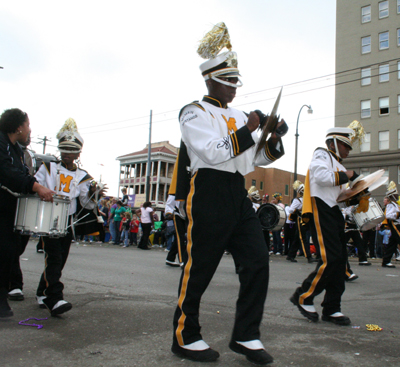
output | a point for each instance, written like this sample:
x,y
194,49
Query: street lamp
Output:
x,y
310,111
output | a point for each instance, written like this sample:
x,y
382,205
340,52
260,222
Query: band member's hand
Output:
x,y
281,129
349,174
253,121
44,193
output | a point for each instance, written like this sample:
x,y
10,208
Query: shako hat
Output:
x,y
391,189
298,186
69,140
253,193
224,64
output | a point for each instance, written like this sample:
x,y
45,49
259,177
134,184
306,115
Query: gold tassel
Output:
x,y
363,204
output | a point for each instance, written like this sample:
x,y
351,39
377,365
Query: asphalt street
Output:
x,y
124,299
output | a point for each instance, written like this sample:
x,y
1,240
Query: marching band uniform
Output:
x,y
295,210
289,233
221,150
352,232
75,184
326,178
392,214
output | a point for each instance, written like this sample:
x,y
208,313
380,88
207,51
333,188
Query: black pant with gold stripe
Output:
x,y
221,217
394,240
327,230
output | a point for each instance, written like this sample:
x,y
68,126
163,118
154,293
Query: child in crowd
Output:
x,y
125,227
385,232
134,229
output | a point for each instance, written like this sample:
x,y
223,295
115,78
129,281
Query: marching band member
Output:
x,y
67,179
392,214
326,179
14,177
295,210
221,145
352,232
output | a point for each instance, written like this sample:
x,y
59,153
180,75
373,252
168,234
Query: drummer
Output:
x,y
14,176
326,179
70,181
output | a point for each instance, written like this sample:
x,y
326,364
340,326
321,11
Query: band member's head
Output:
x,y
220,71
69,140
299,187
391,191
15,121
386,200
254,195
342,139
147,204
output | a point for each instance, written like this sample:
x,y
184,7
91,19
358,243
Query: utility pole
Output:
x,y
44,143
148,162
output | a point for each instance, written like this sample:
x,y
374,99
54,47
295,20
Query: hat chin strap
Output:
x,y
336,148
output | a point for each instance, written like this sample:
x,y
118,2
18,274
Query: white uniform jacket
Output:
x,y
392,212
297,204
73,184
217,138
327,176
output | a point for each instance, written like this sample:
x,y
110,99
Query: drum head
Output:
x,y
269,216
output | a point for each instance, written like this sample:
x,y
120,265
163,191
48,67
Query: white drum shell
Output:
x,y
278,214
42,217
371,218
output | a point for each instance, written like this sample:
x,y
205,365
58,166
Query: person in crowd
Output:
x,y
71,181
147,222
369,242
119,210
326,179
133,230
125,197
221,145
265,199
125,228
289,234
392,220
276,235
111,223
14,178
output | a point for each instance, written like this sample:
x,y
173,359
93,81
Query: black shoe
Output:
x,y
364,263
352,277
291,259
57,308
256,356
339,320
388,265
207,355
311,260
16,295
312,316
172,263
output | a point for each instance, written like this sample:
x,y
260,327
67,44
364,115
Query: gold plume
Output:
x,y
297,184
214,41
391,187
359,132
69,126
252,189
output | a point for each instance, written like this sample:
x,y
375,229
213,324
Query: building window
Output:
x,y
383,73
383,9
398,69
384,106
398,139
253,182
366,145
398,103
383,140
366,14
383,40
366,76
398,36
365,109
398,174
366,44
286,190
261,185
398,6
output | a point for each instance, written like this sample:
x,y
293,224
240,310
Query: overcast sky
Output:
x,y
107,64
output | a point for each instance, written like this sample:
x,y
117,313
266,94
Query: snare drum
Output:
x,y
272,217
42,217
371,218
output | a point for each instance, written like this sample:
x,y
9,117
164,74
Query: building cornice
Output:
x,y
377,159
